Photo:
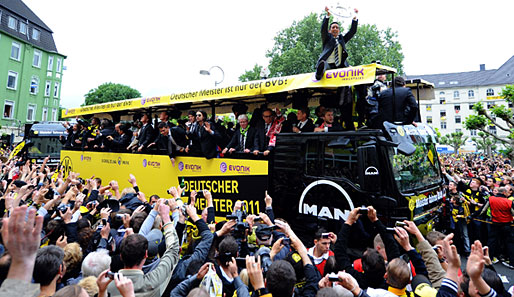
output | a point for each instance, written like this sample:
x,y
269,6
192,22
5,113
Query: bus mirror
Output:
x,y
340,141
369,174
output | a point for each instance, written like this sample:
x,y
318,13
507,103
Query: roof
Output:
x,y
501,76
23,13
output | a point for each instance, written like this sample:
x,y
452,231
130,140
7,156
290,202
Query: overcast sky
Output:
x,y
159,46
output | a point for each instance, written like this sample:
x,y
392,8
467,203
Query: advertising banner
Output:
x,y
228,180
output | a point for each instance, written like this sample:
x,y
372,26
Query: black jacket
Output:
x,y
204,143
146,135
308,127
165,145
235,142
261,140
329,42
121,142
405,106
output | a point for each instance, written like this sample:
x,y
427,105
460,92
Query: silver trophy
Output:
x,y
340,12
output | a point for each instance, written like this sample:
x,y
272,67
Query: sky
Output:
x,y
159,46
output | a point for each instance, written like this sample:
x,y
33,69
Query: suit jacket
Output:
x,y
204,143
308,127
261,140
405,106
166,145
121,142
146,135
236,144
329,42
335,127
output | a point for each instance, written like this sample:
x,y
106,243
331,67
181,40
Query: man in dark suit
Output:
x,y
328,124
243,138
265,130
204,137
400,107
170,140
304,123
334,45
120,142
146,133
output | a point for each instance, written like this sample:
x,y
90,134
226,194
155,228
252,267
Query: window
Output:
x,y
341,160
442,100
31,112
457,108
36,34
458,130
59,61
34,85
48,85
44,115
511,105
441,93
54,114
15,51
429,119
489,92
12,80
473,132
36,61
443,125
429,107
46,101
492,129
457,120
456,94
8,109
23,28
50,63
471,106
443,113
56,102
56,89
490,105
12,23
471,94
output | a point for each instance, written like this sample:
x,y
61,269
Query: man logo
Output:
x,y
223,167
67,166
329,212
371,171
181,166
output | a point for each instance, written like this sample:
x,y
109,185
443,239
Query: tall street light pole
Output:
x,y
209,72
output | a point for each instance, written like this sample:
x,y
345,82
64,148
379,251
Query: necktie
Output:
x,y
336,53
300,125
267,128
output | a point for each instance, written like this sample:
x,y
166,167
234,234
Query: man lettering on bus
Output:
x,y
304,123
328,124
146,134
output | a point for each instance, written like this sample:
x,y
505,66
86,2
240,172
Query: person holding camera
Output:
x,y
321,249
459,209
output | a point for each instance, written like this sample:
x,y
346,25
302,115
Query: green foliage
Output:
x,y
249,75
475,122
485,143
297,48
508,93
109,92
455,139
502,112
479,108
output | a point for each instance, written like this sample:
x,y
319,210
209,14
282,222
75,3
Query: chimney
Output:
x,y
482,67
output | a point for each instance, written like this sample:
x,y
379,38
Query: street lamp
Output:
x,y
208,72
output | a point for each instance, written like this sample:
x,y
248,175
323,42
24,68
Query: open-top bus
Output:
x,y
314,178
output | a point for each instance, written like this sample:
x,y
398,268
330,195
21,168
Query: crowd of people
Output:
x,y
479,204
68,236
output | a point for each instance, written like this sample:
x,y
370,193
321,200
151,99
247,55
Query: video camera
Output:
x,y
241,226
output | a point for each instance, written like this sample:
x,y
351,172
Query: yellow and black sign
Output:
x,y
350,76
228,180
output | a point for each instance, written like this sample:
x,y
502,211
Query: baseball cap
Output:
x,y
154,238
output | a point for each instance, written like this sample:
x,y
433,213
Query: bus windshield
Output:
x,y
41,147
418,171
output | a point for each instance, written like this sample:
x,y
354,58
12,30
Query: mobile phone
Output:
x,y
104,222
325,235
257,219
120,215
363,211
391,230
110,275
241,262
400,224
286,241
333,277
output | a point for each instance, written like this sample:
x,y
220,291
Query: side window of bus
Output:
x,y
312,162
341,161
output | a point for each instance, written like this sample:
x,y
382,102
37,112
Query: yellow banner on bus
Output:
x,y
227,179
334,78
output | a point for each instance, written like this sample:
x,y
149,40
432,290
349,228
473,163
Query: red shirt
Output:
x,y
500,209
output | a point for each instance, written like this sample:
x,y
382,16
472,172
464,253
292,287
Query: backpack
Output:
x,y
212,283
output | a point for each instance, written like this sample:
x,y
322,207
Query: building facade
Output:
x,y
30,68
456,93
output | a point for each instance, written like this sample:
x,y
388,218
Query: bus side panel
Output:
x,y
228,180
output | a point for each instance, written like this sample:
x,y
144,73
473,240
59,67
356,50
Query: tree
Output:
x,y
297,48
254,74
485,143
483,119
109,92
455,139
